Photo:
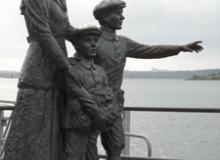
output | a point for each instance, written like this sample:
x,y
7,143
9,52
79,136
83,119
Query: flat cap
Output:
x,y
106,5
83,31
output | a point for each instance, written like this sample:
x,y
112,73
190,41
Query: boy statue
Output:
x,y
112,51
82,125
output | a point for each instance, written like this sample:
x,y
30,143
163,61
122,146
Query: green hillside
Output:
x,y
212,76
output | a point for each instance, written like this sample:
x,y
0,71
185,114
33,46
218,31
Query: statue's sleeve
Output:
x,y
36,13
113,108
69,30
74,91
137,50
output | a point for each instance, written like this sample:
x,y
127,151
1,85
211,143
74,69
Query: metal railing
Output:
x,y
173,109
9,105
137,158
146,140
127,120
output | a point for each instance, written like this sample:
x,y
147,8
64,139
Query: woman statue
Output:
x,y
35,129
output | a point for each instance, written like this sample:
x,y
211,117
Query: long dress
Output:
x,y
35,130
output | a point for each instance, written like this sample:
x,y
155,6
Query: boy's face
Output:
x,y
114,18
87,45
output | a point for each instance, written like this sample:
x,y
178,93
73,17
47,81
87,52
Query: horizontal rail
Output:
x,y
4,101
137,158
6,107
172,109
10,105
150,109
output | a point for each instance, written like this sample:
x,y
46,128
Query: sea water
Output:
x,y
190,136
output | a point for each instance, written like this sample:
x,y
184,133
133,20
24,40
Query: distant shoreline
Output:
x,y
209,74
210,77
185,75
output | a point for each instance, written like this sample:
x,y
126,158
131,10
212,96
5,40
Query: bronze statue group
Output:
x,y
64,104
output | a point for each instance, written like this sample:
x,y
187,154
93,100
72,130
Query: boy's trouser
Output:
x,y
75,145
92,150
113,141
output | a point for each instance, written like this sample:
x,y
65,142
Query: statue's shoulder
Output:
x,y
123,38
72,61
99,68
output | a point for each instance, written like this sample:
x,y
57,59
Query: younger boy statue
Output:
x,y
80,123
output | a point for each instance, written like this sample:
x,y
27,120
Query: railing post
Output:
x,y
126,125
1,123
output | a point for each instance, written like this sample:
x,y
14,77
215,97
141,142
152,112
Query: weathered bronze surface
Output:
x,y
35,131
86,96
82,126
111,55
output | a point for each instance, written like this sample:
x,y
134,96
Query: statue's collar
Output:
x,y
109,34
86,64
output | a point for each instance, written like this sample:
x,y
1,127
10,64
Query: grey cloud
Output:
x,y
147,21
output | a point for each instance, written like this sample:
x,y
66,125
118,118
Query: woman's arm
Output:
x,y
36,13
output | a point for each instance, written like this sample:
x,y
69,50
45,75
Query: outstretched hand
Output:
x,y
194,46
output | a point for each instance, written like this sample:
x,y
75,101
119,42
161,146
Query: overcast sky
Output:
x,y
146,21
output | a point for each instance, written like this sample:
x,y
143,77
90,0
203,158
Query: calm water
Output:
x,y
187,136
176,135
